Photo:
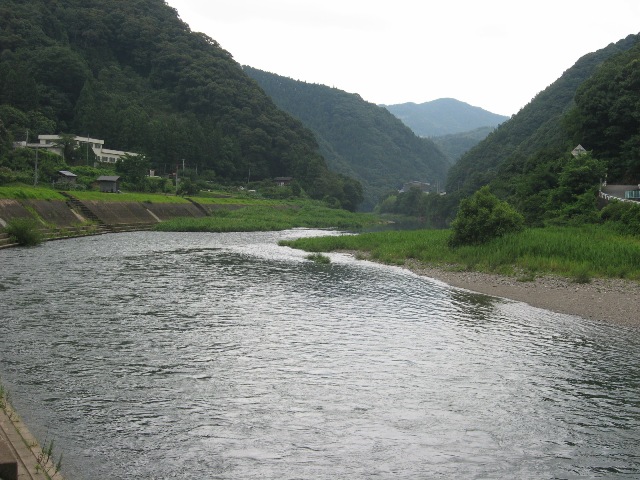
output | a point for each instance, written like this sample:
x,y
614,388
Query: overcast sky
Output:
x,y
494,54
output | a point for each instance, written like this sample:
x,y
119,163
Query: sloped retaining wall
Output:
x,y
59,213
113,213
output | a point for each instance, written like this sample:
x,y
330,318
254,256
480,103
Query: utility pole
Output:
x,y
177,166
35,175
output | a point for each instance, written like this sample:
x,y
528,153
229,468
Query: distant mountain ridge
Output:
x,y
357,138
444,116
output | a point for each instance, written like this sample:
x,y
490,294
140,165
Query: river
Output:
x,y
225,356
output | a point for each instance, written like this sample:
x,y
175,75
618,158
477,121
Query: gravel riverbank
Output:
x,y
611,300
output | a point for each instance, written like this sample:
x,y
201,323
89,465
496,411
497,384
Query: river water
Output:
x,y
224,356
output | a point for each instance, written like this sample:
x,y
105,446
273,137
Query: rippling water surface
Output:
x,y
154,355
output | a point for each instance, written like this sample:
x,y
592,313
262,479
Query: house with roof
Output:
x,y
282,181
109,183
578,151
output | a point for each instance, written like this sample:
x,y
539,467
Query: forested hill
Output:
x,y
356,137
132,73
444,116
549,126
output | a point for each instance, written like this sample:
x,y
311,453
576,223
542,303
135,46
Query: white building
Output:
x,y
50,143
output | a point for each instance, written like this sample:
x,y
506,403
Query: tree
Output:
x,y
483,217
133,168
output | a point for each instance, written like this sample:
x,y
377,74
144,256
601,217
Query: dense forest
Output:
x,y
444,116
542,125
527,160
132,73
455,145
358,138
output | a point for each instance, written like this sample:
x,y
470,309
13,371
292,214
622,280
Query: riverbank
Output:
x,y
611,300
590,271
23,446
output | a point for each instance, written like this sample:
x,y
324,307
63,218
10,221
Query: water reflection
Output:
x,y
154,355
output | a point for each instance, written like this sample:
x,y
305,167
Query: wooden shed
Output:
x,y
66,176
109,183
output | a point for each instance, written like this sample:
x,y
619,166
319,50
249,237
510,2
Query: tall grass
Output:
x,y
574,252
24,231
261,218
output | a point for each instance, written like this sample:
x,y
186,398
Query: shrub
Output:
x,y
24,231
319,258
483,217
622,216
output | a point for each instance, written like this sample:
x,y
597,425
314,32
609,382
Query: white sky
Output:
x,y
494,54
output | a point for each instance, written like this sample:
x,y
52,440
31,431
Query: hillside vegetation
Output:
x,y
528,162
132,73
541,126
455,145
356,137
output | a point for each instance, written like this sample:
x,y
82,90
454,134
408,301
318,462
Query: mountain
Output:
x,y
358,138
455,145
132,73
443,117
541,126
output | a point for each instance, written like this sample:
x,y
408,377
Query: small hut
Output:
x,y
64,176
109,183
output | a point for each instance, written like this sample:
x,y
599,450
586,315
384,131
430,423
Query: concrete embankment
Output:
x,y
71,217
21,457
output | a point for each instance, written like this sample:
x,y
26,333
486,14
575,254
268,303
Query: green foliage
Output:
x,y
624,217
24,231
133,169
578,253
483,217
358,139
319,258
455,145
30,193
606,117
135,75
262,218
521,158
187,187
539,125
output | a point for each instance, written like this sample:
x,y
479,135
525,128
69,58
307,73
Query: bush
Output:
x,y
622,216
483,217
24,231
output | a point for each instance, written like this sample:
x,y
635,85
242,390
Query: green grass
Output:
x,y
128,197
579,253
264,218
29,193
238,200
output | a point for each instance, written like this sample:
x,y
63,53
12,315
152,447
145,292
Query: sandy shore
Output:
x,y
611,300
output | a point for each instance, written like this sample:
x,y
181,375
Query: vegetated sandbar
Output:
x,y
612,300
